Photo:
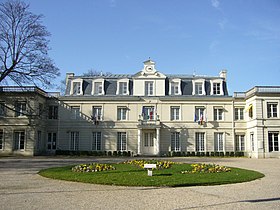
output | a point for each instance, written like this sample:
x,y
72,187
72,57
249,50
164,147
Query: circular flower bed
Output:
x,y
92,167
206,168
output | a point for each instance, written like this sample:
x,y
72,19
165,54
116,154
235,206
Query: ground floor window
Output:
x,y
19,140
199,142
1,140
218,142
175,141
74,140
252,141
273,142
51,144
149,139
96,141
121,144
239,142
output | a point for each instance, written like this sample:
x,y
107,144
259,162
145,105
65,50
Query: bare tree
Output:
x,y
24,46
93,72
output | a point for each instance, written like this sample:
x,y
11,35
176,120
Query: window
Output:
x,y
96,114
216,88
1,139
199,114
121,144
39,140
121,113
252,141
98,89
218,114
20,108
149,139
198,88
149,88
74,140
77,88
199,142
273,142
218,142
19,140
96,141
271,110
2,109
239,113
239,143
53,112
175,141
174,88
51,144
123,88
175,113
41,109
250,111
148,113
75,112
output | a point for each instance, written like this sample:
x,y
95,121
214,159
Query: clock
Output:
x,y
149,68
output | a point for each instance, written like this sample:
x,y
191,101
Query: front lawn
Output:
x,y
132,175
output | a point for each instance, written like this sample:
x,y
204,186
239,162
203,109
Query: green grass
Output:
x,y
131,175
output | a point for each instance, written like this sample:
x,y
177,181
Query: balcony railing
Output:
x,y
28,89
154,120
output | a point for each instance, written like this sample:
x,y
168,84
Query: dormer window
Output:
x,y
174,87
76,87
149,88
98,87
199,87
217,87
122,88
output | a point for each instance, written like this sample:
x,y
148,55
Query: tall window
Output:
x,y
97,112
19,140
51,145
149,139
239,142
218,142
2,109
239,113
199,142
75,112
149,88
174,86
250,111
20,108
216,88
199,114
121,113
98,89
218,114
123,90
175,113
273,141
77,88
198,88
271,110
53,112
121,143
148,112
96,141
1,139
74,140
175,141
252,141
41,109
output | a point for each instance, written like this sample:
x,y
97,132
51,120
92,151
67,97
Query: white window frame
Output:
x,y
99,115
149,88
175,113
200,114
98,92
240,142
149,113
252,140
273,143
218,113
120,88
122,113
272,109
76,111
216,81
79,90
237,113
175,87
175,143
200,142
18,140
96,144
20,108
198,81
122,141
218,142
74,143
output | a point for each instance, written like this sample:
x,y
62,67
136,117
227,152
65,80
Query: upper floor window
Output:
x,y
199,114
149,88
216,87
1,139
199,87
175,113
148,112
75,112
239,113
174,87
218,114
20,108
53,112
2,109
122,88
41,109
271,110
98,87
76,88
250,110
121,113
96,114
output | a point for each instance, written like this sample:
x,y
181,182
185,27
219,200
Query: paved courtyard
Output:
x,y
22,188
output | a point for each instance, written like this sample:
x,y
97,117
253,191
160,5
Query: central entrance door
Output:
x,y
149,143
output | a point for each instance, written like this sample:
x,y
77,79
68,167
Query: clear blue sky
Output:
x,y
181,36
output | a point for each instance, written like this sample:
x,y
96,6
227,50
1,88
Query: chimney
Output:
x,y
223,74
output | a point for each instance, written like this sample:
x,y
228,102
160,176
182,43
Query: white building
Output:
x,y
147,113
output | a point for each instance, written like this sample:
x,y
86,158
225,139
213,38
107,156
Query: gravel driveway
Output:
x,y
22,188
